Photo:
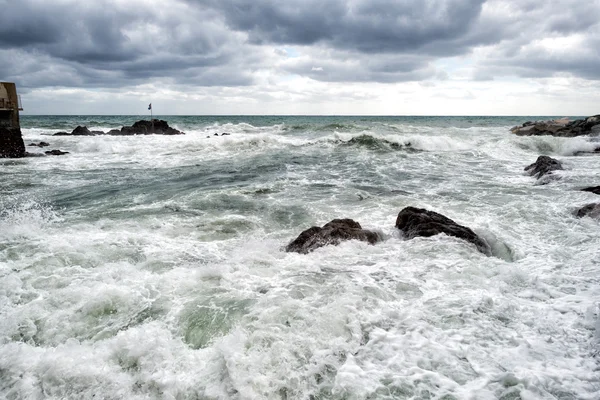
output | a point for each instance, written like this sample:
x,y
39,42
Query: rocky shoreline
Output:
x,y
562,127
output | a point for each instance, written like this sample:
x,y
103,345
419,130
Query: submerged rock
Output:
x,y
592,189
11,143
560,127
40,144
415,222
56,152
542,166
589,210
334,233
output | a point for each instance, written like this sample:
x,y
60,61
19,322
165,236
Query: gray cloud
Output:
x,y
104,44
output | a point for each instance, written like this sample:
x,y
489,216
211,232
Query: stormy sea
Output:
x,y
154,267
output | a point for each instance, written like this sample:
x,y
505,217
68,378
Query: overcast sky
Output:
x,y
402,57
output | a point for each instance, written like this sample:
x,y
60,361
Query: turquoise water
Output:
x,y
152,266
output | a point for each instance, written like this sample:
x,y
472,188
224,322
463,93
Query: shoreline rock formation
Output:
x,y
334,232
415,222
143,127
560,127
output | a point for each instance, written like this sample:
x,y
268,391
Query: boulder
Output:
x,y
542,166
79,131
56,152
143,127
415,222
592,189
589,210
560,127
11,143
334,233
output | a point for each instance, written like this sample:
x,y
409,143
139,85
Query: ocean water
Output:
x,y
151,267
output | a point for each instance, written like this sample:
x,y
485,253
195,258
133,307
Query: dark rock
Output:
x,y
415,222
559,127
592,189
542,166
333,233
79,131
40,144
215,134
114,132
225,134
590,210
143,127
56,152
11,143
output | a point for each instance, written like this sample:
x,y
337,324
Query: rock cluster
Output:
x,y
411,221
560,127
143,127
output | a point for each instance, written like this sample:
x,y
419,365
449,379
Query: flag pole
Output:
x,y
151,117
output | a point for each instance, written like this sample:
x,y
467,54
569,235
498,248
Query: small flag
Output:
x,y
150,106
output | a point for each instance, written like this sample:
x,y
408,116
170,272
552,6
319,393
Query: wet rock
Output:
x,y
143,127
560,127
114,132
542,166
56,152
589,210
334,233
225,134
11,143
415,222
40,144
79,131
592,189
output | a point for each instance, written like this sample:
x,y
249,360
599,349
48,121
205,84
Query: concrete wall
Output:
x,y
9,105
11,141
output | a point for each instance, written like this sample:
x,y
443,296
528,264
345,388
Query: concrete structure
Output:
x,y
11,142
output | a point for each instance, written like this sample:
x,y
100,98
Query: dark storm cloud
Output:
x,y
368,26
119,43
116,43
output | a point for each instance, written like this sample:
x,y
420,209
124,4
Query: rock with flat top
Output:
x,y
143,127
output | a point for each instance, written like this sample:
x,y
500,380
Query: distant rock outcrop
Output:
x,y
11,143
542,166
333,232
590,210
154,127
560,127
415,222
